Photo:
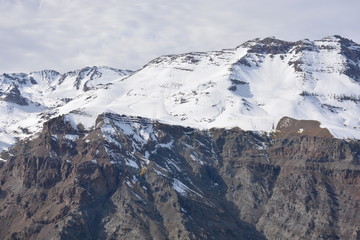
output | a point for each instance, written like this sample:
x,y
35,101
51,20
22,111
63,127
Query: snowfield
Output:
x,y
252,87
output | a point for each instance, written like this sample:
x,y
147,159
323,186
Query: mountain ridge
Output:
x,y
244,87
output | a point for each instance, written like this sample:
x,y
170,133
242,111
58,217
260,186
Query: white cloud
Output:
x,y
69,34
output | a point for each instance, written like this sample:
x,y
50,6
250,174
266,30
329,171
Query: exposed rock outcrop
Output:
x,y
134,178
289,126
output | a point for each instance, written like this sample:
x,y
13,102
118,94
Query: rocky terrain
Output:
x,y
135,178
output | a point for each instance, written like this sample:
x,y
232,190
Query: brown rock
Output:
x,y
217,184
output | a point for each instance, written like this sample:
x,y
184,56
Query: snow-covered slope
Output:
x,y
252,86
27,100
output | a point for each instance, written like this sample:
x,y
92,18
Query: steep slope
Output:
x,y
135,178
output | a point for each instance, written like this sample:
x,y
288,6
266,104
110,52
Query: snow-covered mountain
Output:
x,y
114,154
252,87
27,100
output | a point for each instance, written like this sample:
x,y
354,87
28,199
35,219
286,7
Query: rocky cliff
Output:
x,y
136,178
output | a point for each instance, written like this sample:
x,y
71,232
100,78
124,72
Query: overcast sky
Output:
x,y
70,34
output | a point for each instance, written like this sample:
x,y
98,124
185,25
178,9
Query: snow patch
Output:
x,y
182,189
165,145
196,159
131,163
69,119
71,137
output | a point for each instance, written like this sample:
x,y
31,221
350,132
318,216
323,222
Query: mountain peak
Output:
x,y
271,45
271,40
334,38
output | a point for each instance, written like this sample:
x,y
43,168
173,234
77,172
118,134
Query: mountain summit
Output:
x,y
252,87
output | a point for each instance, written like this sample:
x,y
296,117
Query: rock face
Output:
x,y
134,178
289,126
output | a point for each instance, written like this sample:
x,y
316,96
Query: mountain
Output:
x,y
252,87
257,142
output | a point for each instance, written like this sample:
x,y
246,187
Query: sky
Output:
x,y
65,35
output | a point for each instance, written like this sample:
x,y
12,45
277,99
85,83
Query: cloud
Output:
x,y
70,34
